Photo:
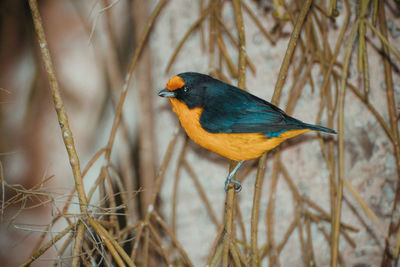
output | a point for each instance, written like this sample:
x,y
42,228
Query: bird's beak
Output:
x,y
167,93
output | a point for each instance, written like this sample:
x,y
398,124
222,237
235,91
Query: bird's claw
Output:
x,y
237,185
238,188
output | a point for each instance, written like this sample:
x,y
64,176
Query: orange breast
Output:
x,y
235,146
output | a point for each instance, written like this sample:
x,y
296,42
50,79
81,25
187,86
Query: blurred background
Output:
x,y
158,193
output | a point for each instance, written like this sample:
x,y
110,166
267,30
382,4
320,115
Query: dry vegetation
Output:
x,y
126,226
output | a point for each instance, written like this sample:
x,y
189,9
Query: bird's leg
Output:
x,y
229,179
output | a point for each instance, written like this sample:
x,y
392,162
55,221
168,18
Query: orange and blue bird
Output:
x,y
229,121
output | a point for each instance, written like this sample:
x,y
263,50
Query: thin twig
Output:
x,y
163,225
258,23
289,52
176,181
77,245
271,210
256,209
337,212
110,242
59,105
384,41
202,193
45,247
387,258
195,25
235,42
61,113
129,75
230,195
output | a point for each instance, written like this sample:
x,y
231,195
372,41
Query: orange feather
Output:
x,y
174,83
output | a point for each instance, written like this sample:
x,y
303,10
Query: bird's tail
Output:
x,y
318,128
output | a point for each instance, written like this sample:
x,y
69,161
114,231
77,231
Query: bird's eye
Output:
x,y
185,89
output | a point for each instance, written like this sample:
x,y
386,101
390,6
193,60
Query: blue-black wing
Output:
x,y
229,109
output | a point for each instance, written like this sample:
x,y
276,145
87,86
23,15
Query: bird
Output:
x,y
230,121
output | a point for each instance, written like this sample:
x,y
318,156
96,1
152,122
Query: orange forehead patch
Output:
x,y
174,83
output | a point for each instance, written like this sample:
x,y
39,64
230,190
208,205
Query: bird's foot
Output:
x,y
229,179
236,184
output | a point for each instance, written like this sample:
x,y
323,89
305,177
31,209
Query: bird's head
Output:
x,y
190,88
